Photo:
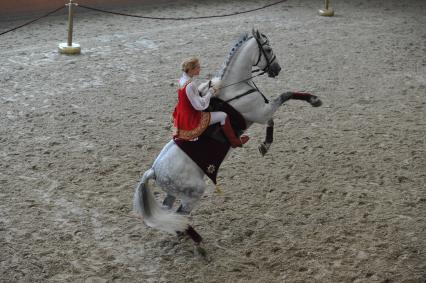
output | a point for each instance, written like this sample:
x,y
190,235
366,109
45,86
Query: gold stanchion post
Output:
x,y
69,47
327,11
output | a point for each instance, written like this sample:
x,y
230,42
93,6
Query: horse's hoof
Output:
x,y
262,149
182,211
193,235
200,251
180,234
315,101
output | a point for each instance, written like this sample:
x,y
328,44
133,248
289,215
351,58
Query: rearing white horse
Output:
x,y
180,177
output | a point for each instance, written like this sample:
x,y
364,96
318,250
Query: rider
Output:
x,y
188,118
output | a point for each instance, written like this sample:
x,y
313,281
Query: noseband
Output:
x,y
262,51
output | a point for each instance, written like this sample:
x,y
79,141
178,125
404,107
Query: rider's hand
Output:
x,y
213,90
217,85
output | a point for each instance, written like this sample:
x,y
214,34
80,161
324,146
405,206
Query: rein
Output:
x,y
249,91
263,72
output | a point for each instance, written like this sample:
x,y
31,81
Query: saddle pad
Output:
x,y
208,153
237,120
210,149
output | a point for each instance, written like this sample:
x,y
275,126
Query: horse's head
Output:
x,y
266,60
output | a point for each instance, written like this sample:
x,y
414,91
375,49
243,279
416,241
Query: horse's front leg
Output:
x,y
264,147
271,107
274,105
311,99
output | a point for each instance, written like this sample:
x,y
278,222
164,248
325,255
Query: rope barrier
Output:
x,y
146,17
184,18
30,22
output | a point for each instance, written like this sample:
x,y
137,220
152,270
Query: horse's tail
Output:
x,y
153,215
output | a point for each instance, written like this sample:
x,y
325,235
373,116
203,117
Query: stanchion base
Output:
x,y
326,12
65,49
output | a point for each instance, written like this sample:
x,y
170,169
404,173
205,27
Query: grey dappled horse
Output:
x,y
176,174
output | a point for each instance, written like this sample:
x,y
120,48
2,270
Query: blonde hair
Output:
x,y
189,64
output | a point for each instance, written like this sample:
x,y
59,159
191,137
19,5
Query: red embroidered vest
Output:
x,y
189,123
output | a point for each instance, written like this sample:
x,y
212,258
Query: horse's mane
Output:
x,y
241,40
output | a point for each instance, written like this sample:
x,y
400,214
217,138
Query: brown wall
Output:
x,y
15,9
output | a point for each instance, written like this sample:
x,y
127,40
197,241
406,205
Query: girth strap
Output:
x,y
248,92
241,95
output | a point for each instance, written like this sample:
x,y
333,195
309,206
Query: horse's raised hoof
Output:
x,y
262,149
315,101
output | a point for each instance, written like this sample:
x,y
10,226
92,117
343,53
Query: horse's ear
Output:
x,y
258,34
255,33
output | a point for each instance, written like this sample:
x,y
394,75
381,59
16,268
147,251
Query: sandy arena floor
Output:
x,y
340,197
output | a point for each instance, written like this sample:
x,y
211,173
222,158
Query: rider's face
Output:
x,y
195,71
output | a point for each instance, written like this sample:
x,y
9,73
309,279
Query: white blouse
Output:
x,y
197,101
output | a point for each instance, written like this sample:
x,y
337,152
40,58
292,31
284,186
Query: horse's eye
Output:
x,y
268,49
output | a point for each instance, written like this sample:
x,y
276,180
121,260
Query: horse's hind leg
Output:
x,y
190,196
168,201
186,206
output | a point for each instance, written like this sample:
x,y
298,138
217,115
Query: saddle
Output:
x,y
210,149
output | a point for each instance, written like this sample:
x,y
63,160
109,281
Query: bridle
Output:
x,y
264,70
262,52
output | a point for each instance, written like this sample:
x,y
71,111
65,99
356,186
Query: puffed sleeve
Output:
x,y
197,101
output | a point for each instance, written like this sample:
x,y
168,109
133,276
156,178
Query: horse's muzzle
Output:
x,y
274,70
